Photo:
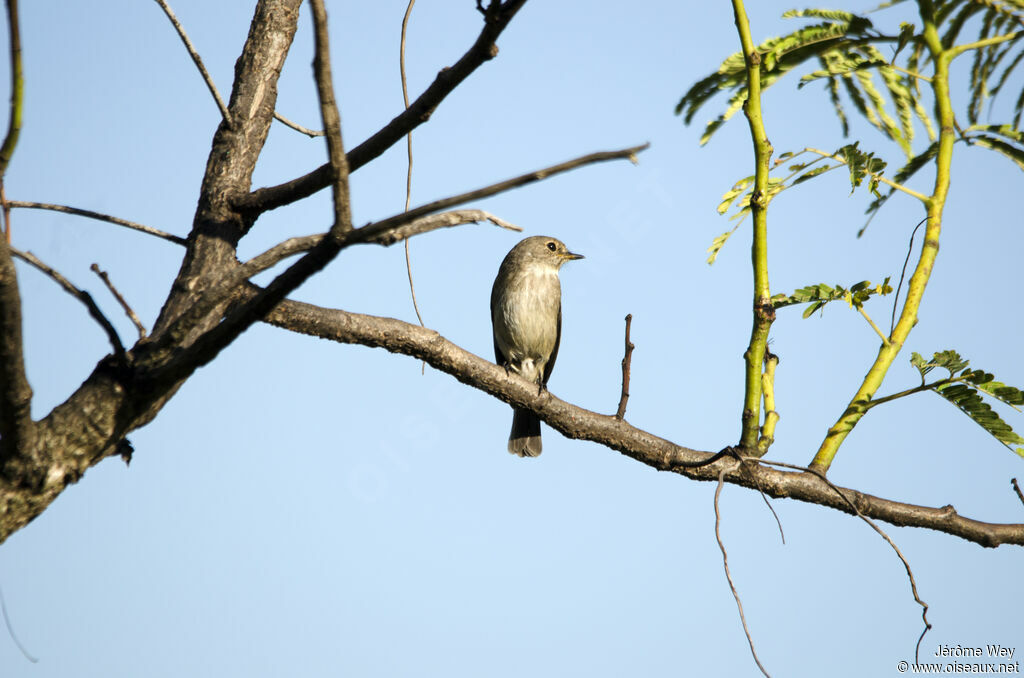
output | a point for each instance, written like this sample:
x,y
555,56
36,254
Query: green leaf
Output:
x,y
810,174
968,10
950,360
964,390
819,295
999,146
968,401
986,382
922,365
906,34
718,243
861,165
730,196
901,177
779,55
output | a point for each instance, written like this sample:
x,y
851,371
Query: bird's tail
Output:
x,y
524,440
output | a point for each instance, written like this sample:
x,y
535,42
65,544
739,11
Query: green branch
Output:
x,y
957,50
861,401
764,312
17,89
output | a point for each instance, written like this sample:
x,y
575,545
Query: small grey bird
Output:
x,y
526,315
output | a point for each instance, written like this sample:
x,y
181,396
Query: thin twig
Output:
x,y
1016,488
408,173
876,328
177,240
297,127
120,299
903,273
371,232
627,358
876,528
197,59
10,631
728,575
81,295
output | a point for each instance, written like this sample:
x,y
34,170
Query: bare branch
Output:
x,y
432,223
626,359
1016,488
728,575
484,49
312,133
578,423
380,230
81,295
120,299
292,246
332,122
197,59
101,217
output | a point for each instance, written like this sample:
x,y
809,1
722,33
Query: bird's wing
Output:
x,y
554,352
499,357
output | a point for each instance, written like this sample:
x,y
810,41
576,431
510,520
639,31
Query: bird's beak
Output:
x,y
569,256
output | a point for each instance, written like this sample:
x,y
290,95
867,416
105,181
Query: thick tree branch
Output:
x,y
217,226
16,428
575,422
178,364
496,18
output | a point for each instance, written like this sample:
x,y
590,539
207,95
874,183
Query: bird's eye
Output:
x,y
551,246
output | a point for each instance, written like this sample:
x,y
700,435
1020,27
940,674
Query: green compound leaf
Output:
x,y
819,295
718,243
965,387
968,401
862,165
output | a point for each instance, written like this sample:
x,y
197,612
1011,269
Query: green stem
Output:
x,y
876,328
17,89
912,391
887,353
764,312
881,178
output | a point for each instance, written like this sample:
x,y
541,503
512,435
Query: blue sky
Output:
x,y
307,508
